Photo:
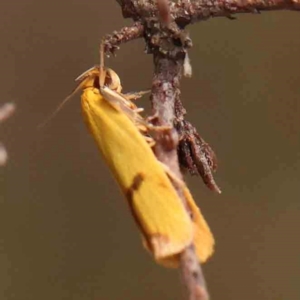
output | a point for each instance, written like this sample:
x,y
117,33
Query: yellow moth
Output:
x,y
116,125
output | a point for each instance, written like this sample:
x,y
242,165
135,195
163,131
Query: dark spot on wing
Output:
x,y
135,185
137,181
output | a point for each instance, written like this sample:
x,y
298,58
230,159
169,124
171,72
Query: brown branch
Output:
x,y
192,275
195,155
165,91
168,44
6,111
164,12
162,27
126,34
187,12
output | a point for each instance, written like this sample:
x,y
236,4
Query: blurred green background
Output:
x,y
66,232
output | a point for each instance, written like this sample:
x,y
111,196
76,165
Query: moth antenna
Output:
x,y
101,66
59,107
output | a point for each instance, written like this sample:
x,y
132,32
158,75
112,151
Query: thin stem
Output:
x,y
165,91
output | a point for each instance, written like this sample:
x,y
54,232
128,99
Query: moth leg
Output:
x,y
157,128
151,120
138,110
150,141
136,95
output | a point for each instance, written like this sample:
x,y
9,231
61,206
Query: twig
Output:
x,y
161,35
185,12
165,92
126,34
161,23
195,155
164,14
192,275
188,12
6,111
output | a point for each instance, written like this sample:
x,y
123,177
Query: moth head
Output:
x,y
112,80
90,78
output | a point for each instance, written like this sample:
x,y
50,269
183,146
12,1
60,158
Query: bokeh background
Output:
x,y
66,232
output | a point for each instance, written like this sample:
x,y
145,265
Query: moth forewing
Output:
x,y
165,225
203,238
154,203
